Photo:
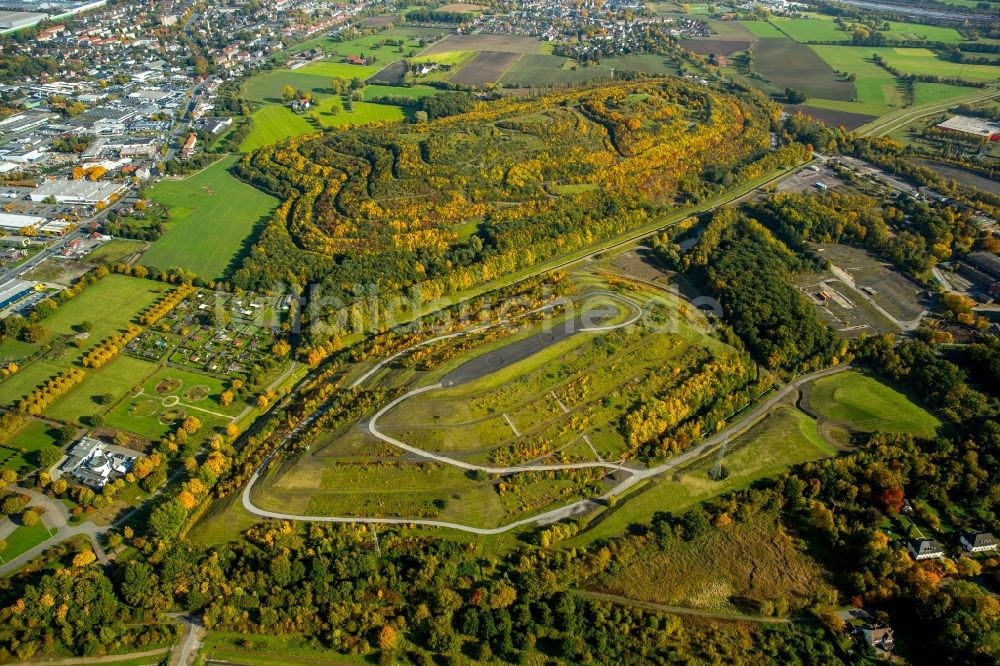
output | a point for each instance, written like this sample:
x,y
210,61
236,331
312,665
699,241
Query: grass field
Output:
x,y
813,28
329,70
907,32
115,250
19,449
116,379
925,61
274,123
368,45
207,234
925,93
269,650
169,395
860,402
756,562
762,29
875,86
536,69
108,305
24,539
413,92
267,87
408,490
785,437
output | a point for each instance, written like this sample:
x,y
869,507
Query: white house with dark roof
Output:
x,y
879,638
924,549
977,542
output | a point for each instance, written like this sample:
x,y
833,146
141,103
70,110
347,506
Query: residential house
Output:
x,y
879,638
977,542
924,549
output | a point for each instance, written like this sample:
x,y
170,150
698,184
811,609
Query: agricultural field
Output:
x,y
832,117
537,69
762,29
788,63
533,69
487,67
499,43
201,208
909,32
814,28
415,92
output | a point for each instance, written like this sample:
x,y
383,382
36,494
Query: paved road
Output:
x,y
56,516
185,652
893,121
632,476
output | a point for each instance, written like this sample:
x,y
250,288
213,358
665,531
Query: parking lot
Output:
x,y
863,294
812,179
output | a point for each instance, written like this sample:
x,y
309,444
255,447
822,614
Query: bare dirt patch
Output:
x,y
378,21
502,43
788,63
963,176
172,416
830,117
462,7
196,393
167,385
392,74
640,263
485,68
712,45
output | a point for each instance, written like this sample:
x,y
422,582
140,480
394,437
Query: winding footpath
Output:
x,y
632,476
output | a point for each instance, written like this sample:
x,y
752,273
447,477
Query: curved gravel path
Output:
x,y
580,507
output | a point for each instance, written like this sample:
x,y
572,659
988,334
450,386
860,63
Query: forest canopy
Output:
x,y
437,207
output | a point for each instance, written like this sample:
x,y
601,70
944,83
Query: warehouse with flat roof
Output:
x,y
17,20
77,191
978,127
18,224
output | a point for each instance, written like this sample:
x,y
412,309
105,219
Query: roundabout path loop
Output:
x,y
577,508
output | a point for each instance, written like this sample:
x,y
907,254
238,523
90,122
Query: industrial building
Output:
x,y
13,292
77,191
18,20
976,127
25,225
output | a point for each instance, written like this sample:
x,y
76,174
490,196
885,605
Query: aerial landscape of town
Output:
x,y
515,332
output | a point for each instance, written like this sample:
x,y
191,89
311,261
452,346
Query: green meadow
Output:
x,y
212,216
